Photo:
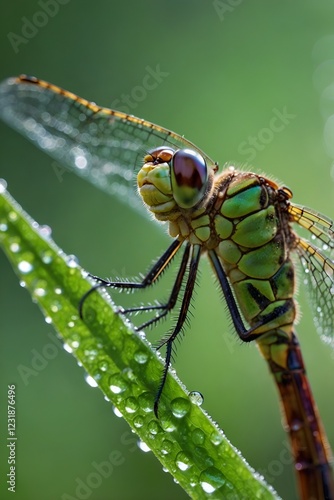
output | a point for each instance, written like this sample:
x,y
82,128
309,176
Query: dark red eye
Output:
x,y
189,175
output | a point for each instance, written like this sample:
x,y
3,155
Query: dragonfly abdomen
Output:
x,y
312,455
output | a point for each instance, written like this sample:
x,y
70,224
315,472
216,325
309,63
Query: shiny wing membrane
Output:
x,y
104,146
317,260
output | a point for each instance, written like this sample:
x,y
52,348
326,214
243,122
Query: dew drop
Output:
x,y
47,257
166,447
216,438
154,428
117,384
198,436
146,402
48,320
207,487
25,267
143,446
141,334
14,247
56,307
3,227
72,261
90,381
90,354
182,461
211,479
167,424
131,405
117,412
68,348
40,292
180,407
45,231
103,366
3,185
12,216
196,397
138,421
128,372
141,357
84,273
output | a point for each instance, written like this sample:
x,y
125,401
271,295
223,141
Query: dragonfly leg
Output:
x,y
148,279
193,266
245,334
170,304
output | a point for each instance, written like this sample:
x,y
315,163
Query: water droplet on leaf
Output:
x,y
25,267
117,384
196,398
90,381
180,407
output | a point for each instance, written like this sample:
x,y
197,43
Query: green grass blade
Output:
x,y
122,363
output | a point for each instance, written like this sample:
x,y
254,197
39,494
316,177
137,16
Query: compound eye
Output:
x,y
189,174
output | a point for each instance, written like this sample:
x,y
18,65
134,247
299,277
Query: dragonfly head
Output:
x,y
170,180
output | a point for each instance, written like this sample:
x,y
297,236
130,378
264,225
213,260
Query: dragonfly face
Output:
x,y
241,220
171,180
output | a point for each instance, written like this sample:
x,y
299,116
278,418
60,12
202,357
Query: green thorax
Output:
x,y
255,241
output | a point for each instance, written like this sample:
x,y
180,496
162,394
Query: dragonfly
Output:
x,y
243,222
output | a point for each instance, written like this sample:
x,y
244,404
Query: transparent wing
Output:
x,y
104,146
321,227
318,266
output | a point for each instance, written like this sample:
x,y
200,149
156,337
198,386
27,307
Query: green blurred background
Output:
x,y
230,65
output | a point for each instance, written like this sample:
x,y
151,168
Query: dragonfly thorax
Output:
x,y
252,224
